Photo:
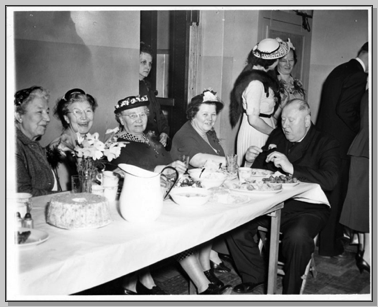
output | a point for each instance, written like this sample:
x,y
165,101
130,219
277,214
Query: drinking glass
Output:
x,y
232,164
75,184
185,159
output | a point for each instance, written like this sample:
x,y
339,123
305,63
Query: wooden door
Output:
x,y
179,36
286,24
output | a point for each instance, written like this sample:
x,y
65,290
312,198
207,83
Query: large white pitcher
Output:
x,y
141,199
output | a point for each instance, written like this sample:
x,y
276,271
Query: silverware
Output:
x,y
201,172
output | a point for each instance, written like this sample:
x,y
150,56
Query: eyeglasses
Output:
x,y
80,113
135,116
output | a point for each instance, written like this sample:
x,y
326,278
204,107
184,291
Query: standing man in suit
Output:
x,y
310,156
339,116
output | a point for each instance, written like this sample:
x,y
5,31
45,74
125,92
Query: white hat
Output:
x,y
270,49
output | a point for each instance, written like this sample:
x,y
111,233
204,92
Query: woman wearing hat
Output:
x,y
289,86
33,172
197,139
132,115
256,95
75,110
141,151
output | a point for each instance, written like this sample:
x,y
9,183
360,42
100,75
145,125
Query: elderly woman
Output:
x,y
157,124
75,110
132,114
289,86
141,149
198,140
144,152
255,95
34,173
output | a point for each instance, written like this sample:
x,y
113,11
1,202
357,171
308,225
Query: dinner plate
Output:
x,y
289,185
106,223
256,191
237,199
240,199
36,237
258,172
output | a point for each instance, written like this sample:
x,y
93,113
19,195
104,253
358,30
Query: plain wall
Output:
x,y
98,51
336,38
227,38
92,50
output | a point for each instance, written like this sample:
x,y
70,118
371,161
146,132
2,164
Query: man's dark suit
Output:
x,y
315,159
339,116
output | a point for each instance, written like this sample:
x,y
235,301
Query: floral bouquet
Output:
x,y
91,154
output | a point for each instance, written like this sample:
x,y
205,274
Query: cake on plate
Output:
x,y
78,211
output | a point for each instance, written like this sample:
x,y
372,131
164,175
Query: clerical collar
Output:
x,y
361,62
302,137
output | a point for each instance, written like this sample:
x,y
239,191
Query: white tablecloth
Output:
x,y
74,260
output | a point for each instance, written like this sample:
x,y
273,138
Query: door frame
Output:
x,y
288,22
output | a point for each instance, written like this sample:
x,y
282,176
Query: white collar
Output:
x,y
362,63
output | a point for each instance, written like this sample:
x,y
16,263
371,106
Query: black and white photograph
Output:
x,y
190,153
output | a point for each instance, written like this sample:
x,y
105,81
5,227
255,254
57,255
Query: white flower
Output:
x,y
92,147
114,150
115,130
80,138
290,44
209,96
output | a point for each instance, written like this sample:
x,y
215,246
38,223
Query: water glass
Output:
x,y
232,163
107,178
23,203
75,184
185,159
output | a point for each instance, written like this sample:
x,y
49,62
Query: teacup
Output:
x,y
23,203
110,192
107,178
244,174
97,189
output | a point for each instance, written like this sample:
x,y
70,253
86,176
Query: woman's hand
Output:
x,y
281,161
179,166
163,138
252,153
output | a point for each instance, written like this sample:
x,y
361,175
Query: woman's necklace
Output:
x,y
139,139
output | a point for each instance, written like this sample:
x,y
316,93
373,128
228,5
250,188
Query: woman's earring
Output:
x,y
18,118
66,119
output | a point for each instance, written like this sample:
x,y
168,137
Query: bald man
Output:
x,y
302,151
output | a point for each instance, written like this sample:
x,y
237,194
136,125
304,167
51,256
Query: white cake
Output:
x,y
78,211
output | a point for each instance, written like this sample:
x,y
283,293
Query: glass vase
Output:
x,y
87,173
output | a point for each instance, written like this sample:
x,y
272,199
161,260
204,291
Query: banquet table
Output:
x,y
71,261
